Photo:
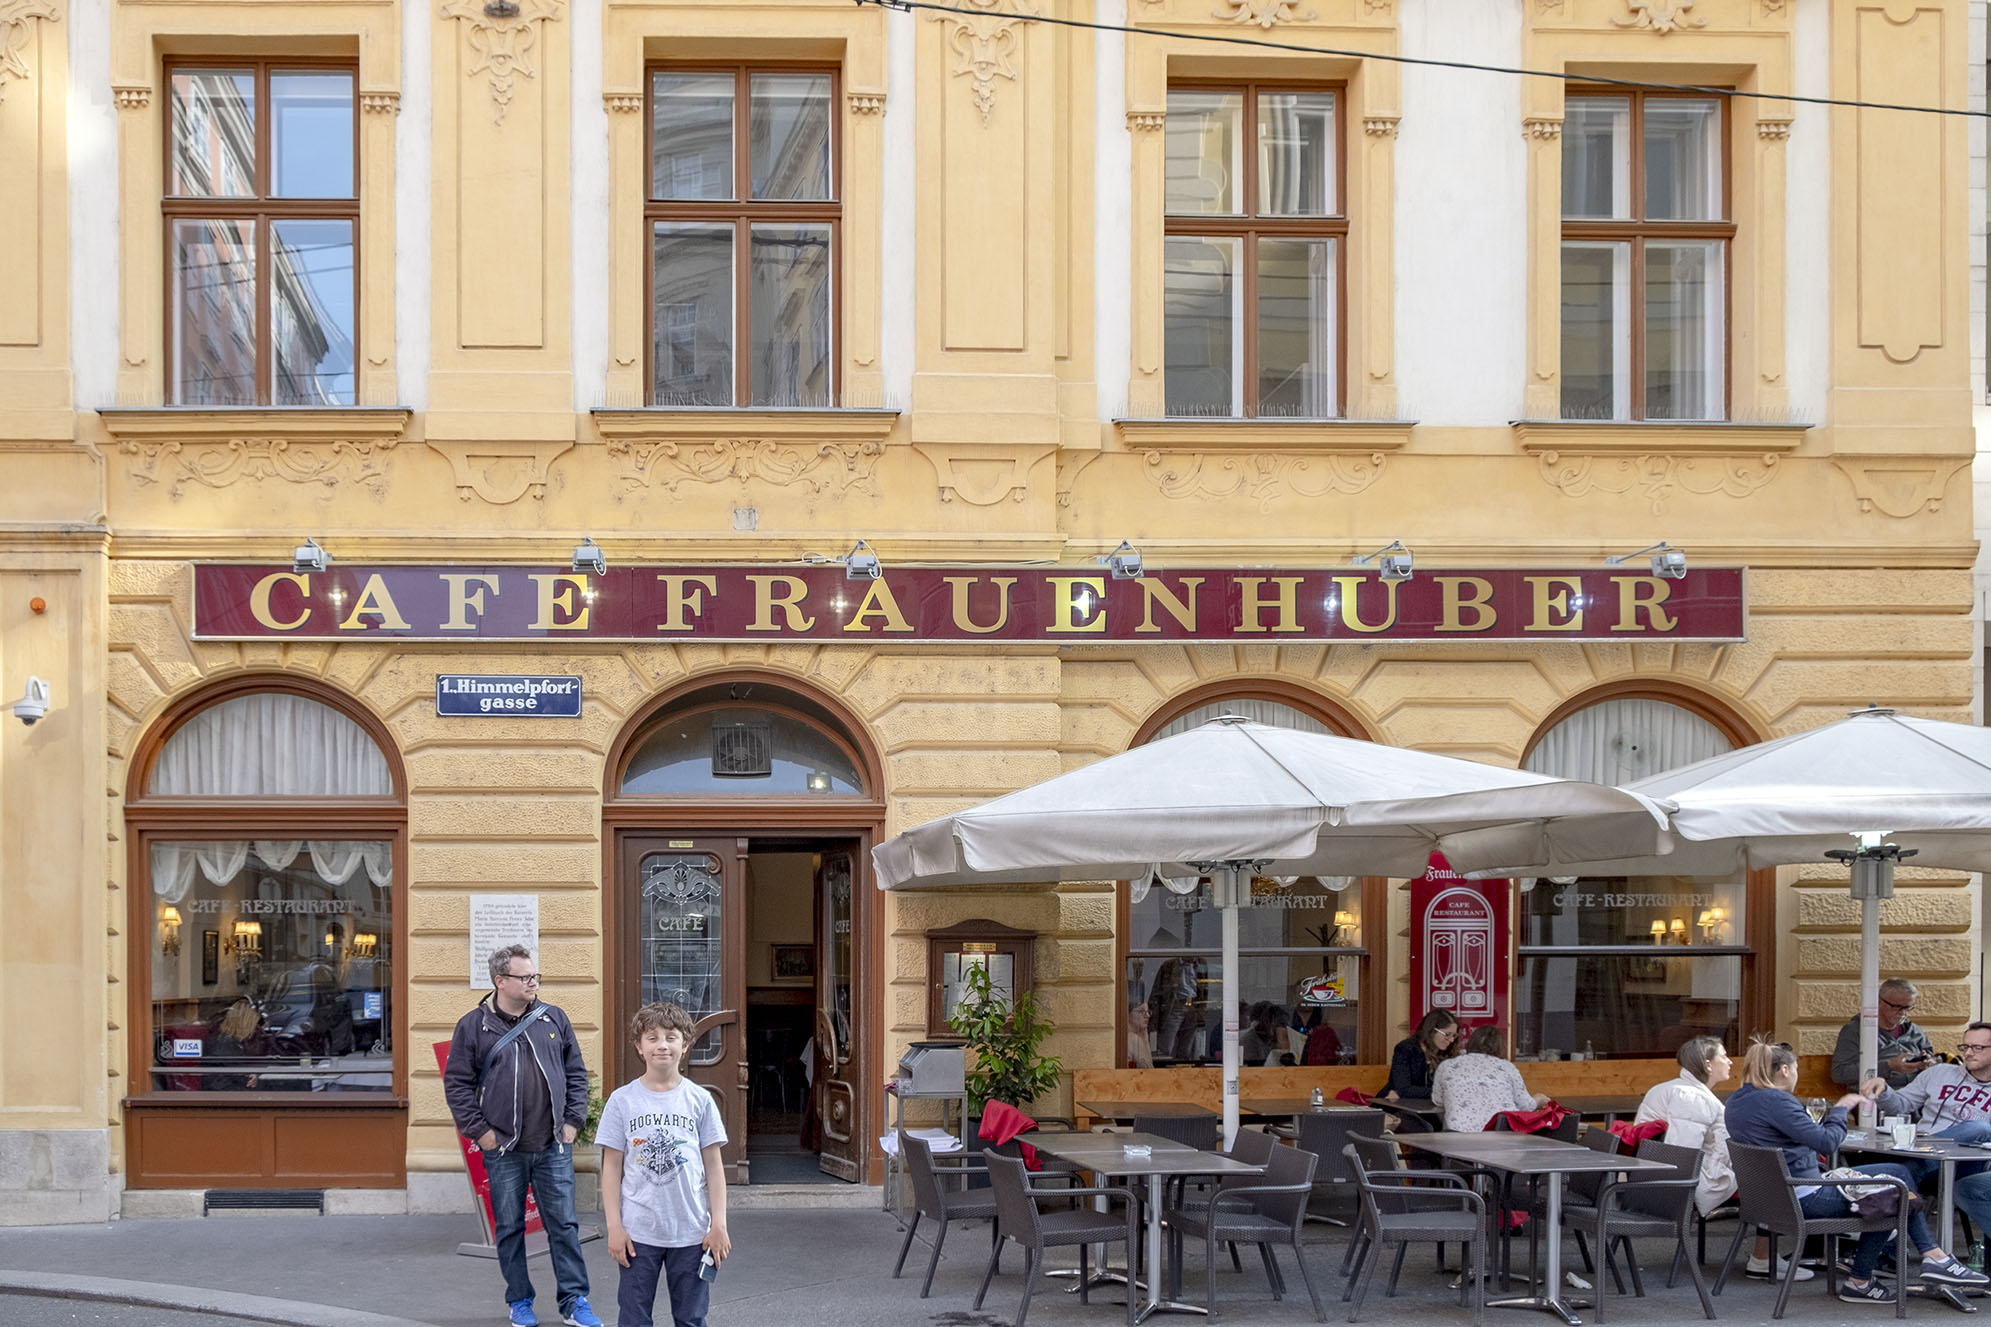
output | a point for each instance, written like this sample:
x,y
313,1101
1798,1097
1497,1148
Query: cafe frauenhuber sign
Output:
x,y
1061,605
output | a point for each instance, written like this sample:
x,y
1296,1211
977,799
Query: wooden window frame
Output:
x,y
1248,227
1637,232
742,213
262,208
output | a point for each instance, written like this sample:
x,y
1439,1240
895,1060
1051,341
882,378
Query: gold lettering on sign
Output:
x,y
879,603
464,601
1252,607
684,594
1348,593
1154,593
1552,600
959,589
259,600
1456,603
1643,594
1078,603
374,601
793,591
556,596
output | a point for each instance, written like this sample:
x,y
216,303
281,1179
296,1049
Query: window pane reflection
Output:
x,y
788,130
1202,345
691,136
311,312
1596,330
1596,158
311,135
1204,165
790,276
692,355
214,312
684,939
1296,154
214,133
1682,159
1683,322
740,752
1292,1008
1631,1005
1296,320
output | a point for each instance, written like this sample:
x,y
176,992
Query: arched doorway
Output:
x,y
266,886
740,814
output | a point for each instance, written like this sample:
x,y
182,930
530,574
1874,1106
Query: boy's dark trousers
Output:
x,y
636,1297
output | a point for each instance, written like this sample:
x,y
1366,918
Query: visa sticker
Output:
x,y
186,1048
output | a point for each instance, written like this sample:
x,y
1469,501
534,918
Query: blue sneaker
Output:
x,y
580,1315
522,1314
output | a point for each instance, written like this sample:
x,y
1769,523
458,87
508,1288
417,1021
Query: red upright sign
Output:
x,y
480,1182
1461,948
1072,605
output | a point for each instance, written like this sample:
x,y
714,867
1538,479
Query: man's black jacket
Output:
x,y
493,1103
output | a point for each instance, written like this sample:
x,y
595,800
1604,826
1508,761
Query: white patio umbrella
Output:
x,y
1868,790
1232,799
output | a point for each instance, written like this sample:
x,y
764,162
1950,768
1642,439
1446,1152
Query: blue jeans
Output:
x,y
551,1175
1832,1202
636,1297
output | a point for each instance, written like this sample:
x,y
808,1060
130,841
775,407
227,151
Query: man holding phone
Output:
x,y
1903,1047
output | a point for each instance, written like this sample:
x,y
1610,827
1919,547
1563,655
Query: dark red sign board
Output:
x,y
1062,605
480,1182
1461,947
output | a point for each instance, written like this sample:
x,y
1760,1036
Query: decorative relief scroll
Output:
x,y
15,18
219,464
1264,13
504,35
1656,476
1660,16
1900,486
982,474
983,42
500,472
1265,477
824,467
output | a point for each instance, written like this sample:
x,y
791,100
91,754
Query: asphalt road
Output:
x,y
33,1311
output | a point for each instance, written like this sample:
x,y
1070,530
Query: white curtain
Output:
x,y
277,855
271,745
335,860
1619,741
172,870
1268,712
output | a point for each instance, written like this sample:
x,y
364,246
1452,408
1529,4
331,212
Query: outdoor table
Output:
x,y
1604,1107
1127,1110
1526,1154
1292,1105
1945,1154
1105,1154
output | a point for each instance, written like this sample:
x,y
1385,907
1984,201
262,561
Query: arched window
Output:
x,y
1629,966
1300,956
266,870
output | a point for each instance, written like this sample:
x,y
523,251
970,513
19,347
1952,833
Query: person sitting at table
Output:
x,y
1472,1088
1416,1058
1764,1113
1953,1101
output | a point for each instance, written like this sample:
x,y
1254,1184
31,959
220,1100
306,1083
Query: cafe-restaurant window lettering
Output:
x,y
268,828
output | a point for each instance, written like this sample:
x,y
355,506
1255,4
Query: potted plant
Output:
x,y
1002,1037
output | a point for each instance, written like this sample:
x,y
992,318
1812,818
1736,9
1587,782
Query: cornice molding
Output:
x,y
1626,438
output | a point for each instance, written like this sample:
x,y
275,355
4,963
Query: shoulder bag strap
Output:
x,y
517,1030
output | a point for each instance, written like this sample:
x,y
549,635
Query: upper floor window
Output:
x,y
262,220
1252,261
1645,257
743,215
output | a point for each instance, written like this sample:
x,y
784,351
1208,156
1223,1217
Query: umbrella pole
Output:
x,y
1230,1024
1869,1000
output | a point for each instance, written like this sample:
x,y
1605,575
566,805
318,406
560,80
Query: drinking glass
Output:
x,y
1816,1107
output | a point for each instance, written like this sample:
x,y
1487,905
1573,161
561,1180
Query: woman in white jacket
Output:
x,y
1693,1117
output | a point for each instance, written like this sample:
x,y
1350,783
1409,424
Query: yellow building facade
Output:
x,y
1256,286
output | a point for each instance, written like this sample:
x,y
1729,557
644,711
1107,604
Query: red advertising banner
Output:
x,y
817,602
1461,947
480,1183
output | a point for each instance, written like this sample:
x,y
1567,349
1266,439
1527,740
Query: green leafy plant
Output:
x,y
595,1103
1003,1037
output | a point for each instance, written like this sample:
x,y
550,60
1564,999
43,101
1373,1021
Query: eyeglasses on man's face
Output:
x,y
1966,1047
1904,1007
524,978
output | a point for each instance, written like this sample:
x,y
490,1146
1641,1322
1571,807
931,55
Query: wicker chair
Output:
x,y
1018,1218
1325,1133
1645,1205
943,1205
1769,1203
1261,1209
1403,1207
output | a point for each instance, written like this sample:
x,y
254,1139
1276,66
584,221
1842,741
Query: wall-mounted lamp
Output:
x,y
309,557
588,557
246,943
365,944
1710,923
1668,562
1124,562
1659,933
1679,929
169,930
861,564
1344,922
1395,561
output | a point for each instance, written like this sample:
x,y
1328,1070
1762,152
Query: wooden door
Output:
x,y
838,1029
687,945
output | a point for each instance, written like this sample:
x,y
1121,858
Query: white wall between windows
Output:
x,y
93,207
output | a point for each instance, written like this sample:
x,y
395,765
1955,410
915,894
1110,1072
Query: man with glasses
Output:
x,y
516,1085
1903,1047
1953,1101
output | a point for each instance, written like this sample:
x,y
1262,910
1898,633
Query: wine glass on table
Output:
x,y
1816,1108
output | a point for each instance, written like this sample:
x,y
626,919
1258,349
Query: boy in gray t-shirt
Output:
x,y
663,1185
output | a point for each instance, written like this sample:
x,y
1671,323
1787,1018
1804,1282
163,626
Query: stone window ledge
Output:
x,y
1307,435
676,425
207,424
1643,437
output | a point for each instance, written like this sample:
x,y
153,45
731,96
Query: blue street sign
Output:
x,y
481,695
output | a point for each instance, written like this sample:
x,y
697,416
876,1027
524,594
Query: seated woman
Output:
x,y
1692,1114
1474,1087
1416,1058
1763,1113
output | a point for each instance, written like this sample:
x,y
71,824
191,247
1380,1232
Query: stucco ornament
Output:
x,y
983,43
15,18
1263,476
219,464
1264,13
825,467
1657,476
1660,15
503,37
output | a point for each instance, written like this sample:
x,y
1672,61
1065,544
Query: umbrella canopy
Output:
x,y
1295,803
1232,798
1920,784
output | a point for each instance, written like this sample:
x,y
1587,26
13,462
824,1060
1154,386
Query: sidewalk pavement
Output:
x,y
791,1267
